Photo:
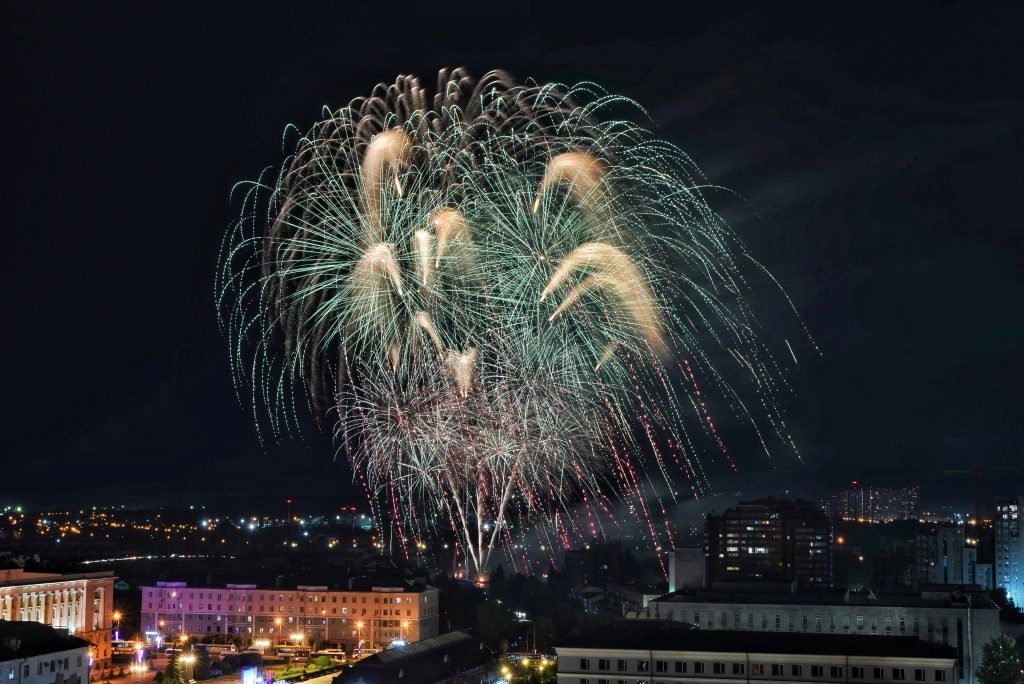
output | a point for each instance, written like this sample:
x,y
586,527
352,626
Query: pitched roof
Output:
x,y
27,639
429,660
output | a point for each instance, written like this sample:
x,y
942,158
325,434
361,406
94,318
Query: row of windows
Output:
x,y
899,674
52,666
334,611
281,597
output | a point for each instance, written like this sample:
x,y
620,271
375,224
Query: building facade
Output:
x,y
82,604
1009,573
942,556
685,568
769,539
958,617
666,656
32,653
367,616
874,504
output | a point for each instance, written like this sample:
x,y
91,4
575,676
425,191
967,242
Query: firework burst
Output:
x,y
496,295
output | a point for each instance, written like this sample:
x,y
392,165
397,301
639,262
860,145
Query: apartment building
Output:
x,y
367,614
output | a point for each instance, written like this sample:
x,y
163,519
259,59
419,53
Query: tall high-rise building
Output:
x,y
874,504
942,555
1010,547
769,539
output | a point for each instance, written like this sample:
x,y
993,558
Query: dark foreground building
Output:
x,y
645,654
34,653
452,658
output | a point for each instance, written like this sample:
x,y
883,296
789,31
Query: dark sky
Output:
x,y
877,151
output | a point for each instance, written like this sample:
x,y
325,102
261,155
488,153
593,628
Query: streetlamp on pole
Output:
x,y
359,627
405,626
117,625
277,623
188,660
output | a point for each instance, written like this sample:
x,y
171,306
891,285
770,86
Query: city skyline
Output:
x,y
874,186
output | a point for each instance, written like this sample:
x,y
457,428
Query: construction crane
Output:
x,y
977,473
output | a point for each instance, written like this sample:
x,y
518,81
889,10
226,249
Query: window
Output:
x,y
764,621
680,666
738,668
898,674
856,672
604,664
831,623
79,661
835,671
817,670
860,623
621,666
584,663
796,670
696,619
888,625
582,681
803,621
778,622
777,670
940,675
718,668
643,666
878,673
919,675
660,666
698,668
903,625
817,623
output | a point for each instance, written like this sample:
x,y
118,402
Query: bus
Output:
x,y
332,653
122,647
293,651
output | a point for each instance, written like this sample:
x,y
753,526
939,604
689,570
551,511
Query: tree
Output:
x,y
1000,663
174,673
204,663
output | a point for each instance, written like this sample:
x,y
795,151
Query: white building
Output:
x,y
32,653
685,568
1009,573
961,618
648,655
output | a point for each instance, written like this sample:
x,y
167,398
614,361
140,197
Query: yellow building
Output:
x,y
80,603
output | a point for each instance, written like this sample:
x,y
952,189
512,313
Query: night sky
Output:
x,y
875,155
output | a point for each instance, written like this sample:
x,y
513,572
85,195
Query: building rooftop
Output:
x,y
429,660
721,641
27,639
931,596
18,577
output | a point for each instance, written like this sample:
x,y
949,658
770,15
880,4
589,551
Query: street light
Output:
x,y
277,624
359,626
117,625
261,644
405,626
188,660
